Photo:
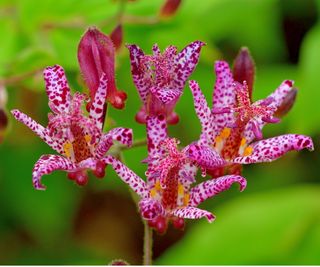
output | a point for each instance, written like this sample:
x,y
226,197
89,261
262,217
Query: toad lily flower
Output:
x,y
167,195
161,77
231,126
78,138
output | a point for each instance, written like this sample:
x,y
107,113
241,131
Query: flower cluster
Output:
x,y
78,138
231,130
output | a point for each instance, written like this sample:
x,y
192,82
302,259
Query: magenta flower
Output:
x,y
231,126
77,137
167,194
160,78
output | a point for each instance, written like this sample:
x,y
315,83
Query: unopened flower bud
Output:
x,y
117,36
287,103
178,223
244,69
169,8
96,56
100,172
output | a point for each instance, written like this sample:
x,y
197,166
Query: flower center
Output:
x,y
167,189
249,111
160,67
79,148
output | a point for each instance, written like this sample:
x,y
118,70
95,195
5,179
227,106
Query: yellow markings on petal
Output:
x,y
153,192
68,149
221,138
186,199
180,189
156,190
218,139
157,186
225,133
243,142
248,151
88,138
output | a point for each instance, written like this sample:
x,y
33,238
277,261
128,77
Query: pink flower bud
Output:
x,y
244,69
96,56
169,8
117,36
287,103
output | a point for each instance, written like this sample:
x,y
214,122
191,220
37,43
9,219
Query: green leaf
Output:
x,y
274,227
306,110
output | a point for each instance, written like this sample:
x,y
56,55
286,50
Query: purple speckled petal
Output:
x,y
57,88
270,149
37,129
166,95
150,208
47,164
140,77
96,109
212,187
128,176
204,115
280,93
186,62
188,173
122,135
275,99
205,157
192,213
224,95
156,133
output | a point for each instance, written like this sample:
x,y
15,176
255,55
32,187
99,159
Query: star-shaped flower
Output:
x,y
230,128
167,195
161,77
69,132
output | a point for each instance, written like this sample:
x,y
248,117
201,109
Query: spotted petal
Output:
x,y
192,213
128,176
188,173
140,77
186,62
46,165
224,95
212,187
205,157
156,133
203,113
279,95
57,88
97,107
270,149
122,135
166,95
37,129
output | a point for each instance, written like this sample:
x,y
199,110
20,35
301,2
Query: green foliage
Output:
x,y
274,227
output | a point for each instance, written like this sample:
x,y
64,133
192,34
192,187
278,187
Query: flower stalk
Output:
x,y
147,244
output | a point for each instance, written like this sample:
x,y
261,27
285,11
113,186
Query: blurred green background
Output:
x,y
276,220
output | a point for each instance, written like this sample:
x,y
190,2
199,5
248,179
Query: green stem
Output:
x,y
147,245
